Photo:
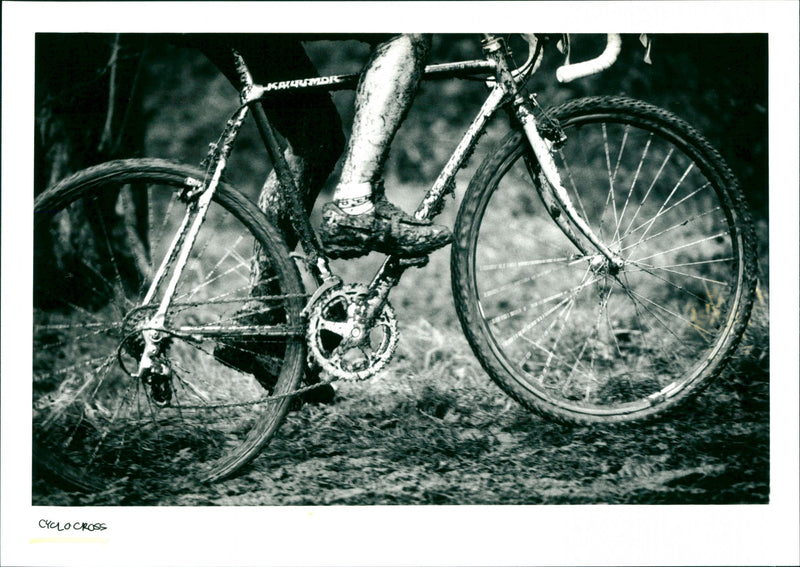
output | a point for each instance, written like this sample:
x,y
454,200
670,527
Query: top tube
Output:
x,y
439,71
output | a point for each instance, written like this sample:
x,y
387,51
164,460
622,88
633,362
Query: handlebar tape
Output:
x,y
567,73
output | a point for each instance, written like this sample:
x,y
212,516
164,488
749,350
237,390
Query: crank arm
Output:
x,y
362,315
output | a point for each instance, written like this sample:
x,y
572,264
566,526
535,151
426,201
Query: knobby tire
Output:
x,y
562,332
96,427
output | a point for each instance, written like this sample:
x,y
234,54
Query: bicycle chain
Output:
x,y
312,360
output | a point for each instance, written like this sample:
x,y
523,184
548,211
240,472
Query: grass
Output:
x,y
433,429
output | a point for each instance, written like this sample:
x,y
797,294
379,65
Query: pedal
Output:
x,y
418,262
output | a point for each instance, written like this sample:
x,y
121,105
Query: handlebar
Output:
x,y
570,72
567,73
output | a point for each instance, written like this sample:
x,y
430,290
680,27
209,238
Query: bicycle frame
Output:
x,y
507,89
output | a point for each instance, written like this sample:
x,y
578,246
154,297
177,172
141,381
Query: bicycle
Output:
x,y
603,269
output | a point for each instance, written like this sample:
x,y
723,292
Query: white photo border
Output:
x,y
404,535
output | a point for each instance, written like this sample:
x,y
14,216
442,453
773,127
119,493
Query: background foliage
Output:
x,y
718,83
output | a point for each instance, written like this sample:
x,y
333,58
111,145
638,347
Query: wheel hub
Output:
x,y
602,266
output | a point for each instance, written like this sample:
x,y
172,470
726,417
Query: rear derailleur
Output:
x,y
154,371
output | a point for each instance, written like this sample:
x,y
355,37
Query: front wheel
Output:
x,y
202,412
569,335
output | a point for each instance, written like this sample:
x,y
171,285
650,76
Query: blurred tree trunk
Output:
x,y
87,112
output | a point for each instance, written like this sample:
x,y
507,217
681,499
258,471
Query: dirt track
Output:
x,y
433,429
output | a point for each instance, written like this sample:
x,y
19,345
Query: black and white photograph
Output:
x,y
328,279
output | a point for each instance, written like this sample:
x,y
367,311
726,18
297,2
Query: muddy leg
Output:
x,y
384,95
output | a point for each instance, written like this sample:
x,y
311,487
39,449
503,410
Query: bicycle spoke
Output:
x,y
571,177
673,285
68,441
564,319
193,389
642,158
650,269
611,331
675,315
231,252
665,211
199,253
521,281
610,197
681,247
682,224
551,353
523,309
666,201
638,318
103,368
649,190
636,302
107,430
534,323
135,245
102,328
524,263
157,236
207,283
696,263
117,284
593,334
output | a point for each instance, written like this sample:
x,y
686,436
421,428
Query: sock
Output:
x,y
354,198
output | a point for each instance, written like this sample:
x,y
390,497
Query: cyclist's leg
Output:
x,y
360,219
307,120
385,92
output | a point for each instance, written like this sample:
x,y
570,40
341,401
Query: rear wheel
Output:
x,y
565,333
200,415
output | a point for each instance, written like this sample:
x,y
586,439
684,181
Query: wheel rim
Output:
x,y
91,415
567,328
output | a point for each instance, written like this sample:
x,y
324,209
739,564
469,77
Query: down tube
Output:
x,y
430,204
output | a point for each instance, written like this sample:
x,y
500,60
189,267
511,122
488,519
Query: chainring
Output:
x,y
331,321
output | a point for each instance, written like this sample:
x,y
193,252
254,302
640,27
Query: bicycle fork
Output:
x,y
544,170
554,195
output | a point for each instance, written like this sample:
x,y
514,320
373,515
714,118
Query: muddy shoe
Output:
x,y
259,358
263,358
385,229
265,366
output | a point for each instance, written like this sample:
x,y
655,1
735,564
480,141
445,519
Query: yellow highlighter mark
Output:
x,y
69,540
